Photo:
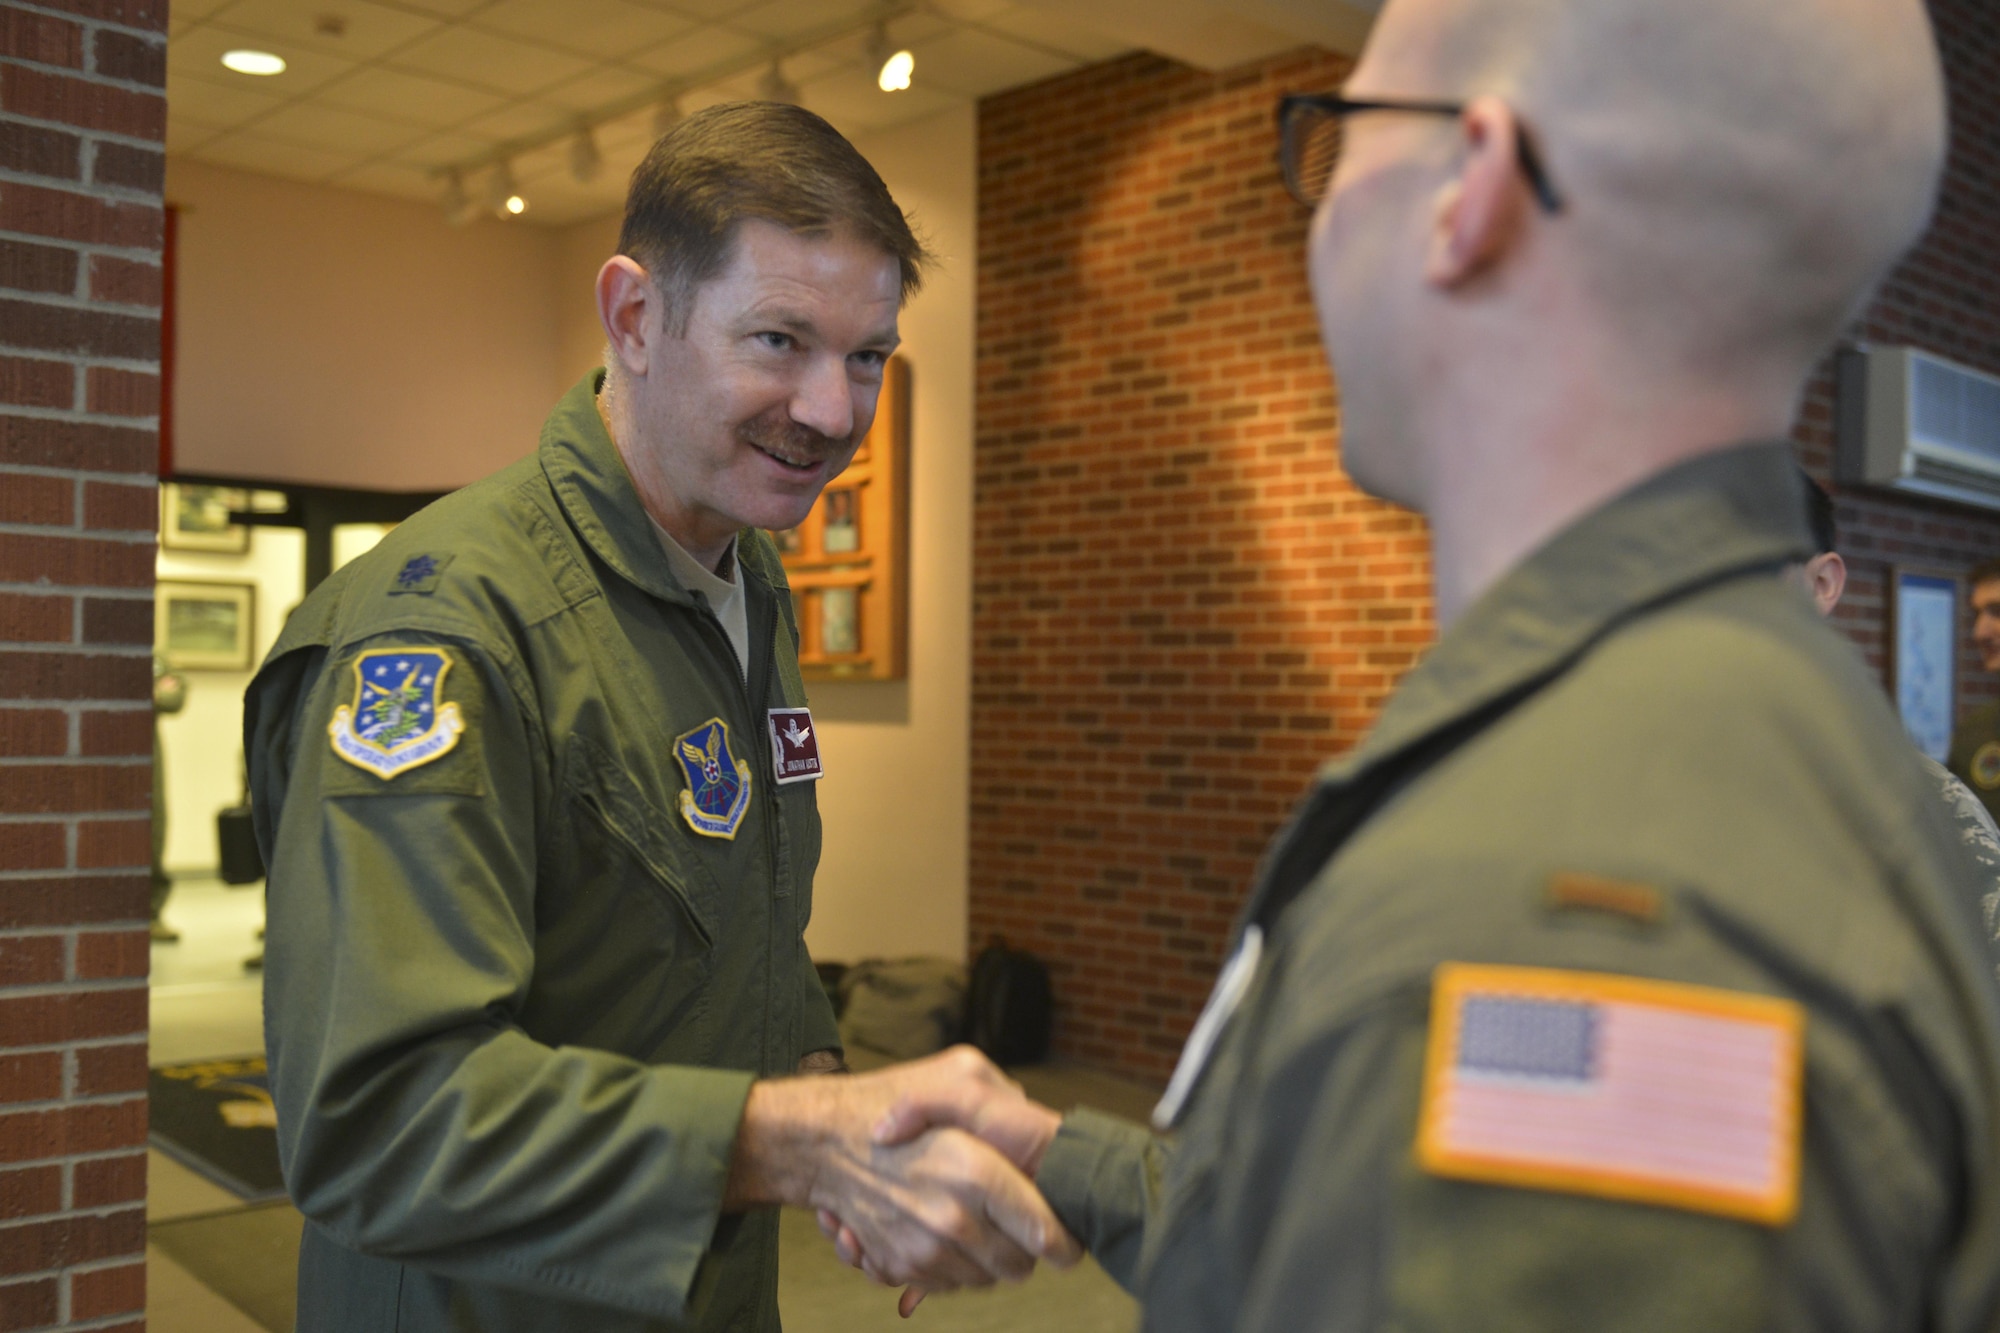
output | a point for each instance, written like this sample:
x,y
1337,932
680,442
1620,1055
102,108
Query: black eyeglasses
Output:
x,y
1309,135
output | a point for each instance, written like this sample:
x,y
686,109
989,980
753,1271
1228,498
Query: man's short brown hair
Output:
x,y
1986,571
753,160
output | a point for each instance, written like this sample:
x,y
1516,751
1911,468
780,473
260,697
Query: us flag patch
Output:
x,y
1589,1083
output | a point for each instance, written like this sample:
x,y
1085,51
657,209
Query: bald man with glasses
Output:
x,y
1625,976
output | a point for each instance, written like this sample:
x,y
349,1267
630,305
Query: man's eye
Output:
x,y
870,360
777,342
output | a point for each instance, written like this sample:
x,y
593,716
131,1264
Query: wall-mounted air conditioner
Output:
x,y
1915,422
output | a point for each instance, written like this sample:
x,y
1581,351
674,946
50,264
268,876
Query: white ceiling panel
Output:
x,y
598,87
271,157
501,64
214,103
779,19
603,29
335,129
366,30
388,178
199,51
696,50
978,63
438,150
414,98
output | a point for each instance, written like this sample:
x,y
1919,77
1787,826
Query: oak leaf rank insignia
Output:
x,y
718,790
398,719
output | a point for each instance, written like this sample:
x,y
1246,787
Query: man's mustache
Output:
x,y
794,442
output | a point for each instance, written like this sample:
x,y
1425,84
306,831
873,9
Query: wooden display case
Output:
x,y
848,563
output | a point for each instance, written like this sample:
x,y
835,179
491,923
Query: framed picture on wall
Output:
x,y
199,626
848,563
197,518
1923,654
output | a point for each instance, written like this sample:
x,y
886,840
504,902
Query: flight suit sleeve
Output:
x,y
417,1121
1102,1176
817,1029
1332,1223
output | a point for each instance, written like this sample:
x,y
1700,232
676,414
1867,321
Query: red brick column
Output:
x,y
82,119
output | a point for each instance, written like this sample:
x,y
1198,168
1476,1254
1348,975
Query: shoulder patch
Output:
x,y
1588,1083
398,719
718,790
419,574
1570,890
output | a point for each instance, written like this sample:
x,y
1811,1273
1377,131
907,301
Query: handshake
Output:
x,y
922,1173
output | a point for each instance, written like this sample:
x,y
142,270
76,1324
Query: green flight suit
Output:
x,y
514,1001
1975,755
1646,701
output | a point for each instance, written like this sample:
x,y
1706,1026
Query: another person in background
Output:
x,y
1825,578
1623,977
1975,742
169,696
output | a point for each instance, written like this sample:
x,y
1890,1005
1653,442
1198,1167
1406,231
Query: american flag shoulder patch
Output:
x,y
1589,1083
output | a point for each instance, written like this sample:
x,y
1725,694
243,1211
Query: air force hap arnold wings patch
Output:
x,y
398,721
718,790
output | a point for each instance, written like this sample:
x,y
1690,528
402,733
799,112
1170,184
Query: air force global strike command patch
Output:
x,y
718,790
1589,1083
794,746
398,720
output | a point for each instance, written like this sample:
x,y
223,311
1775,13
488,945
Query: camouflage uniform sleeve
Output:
x,y
417,1121
1102,1176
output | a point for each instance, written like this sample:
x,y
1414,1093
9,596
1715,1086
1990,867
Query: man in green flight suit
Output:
x,y
1626,976
535,781
1975,742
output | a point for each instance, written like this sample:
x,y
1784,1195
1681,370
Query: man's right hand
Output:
x,y
938,1208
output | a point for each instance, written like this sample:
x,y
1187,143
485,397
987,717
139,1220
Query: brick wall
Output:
x,y
1945,299
82,118
1180,602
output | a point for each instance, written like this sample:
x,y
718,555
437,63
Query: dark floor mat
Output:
x,y
215,1117
248,1256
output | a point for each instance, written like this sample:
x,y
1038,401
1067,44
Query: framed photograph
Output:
x,y
205,626
848,563
1923,655
786,540
839,622
842,531
196,518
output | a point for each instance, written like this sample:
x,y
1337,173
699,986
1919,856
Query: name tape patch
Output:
x,y
794,746
718,790
1589,1083
398,719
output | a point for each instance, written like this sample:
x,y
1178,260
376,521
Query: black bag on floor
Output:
x,y
236,838
1010,1008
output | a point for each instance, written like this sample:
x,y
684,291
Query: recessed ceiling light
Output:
x,y
253,62
896,72
516,204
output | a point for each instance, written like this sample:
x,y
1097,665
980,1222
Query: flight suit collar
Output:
x,y
1721,514
589,478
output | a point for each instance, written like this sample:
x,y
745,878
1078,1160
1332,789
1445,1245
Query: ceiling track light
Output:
x,y
775,87
584,159
667,115
503,197
458,209
894,65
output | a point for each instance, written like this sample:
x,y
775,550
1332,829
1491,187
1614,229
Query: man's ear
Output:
x,y
1478,214
628,305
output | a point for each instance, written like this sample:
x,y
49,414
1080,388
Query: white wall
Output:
x,y
329,336
290,387
897,792
203,743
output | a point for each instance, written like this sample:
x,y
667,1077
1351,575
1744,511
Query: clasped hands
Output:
x,y
920,1173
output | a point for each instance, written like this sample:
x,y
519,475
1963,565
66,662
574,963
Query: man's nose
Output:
x,y
825,399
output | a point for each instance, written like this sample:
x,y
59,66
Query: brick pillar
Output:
x,y
82,120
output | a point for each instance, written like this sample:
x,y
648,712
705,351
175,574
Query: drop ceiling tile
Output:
x,y
706,11
272,157
412,98
856,105
784,19
501,64
199,52
974,64
390,179
316,125
1048,29
215,103
184,136
601,87
441,150
608,29
520,120
187,13
974,10
370,29
450,9
696,51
